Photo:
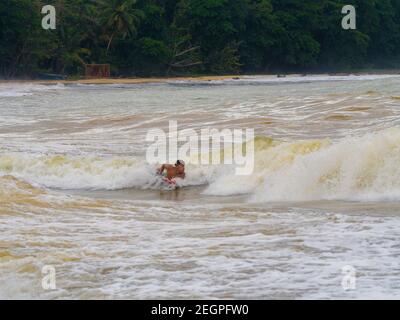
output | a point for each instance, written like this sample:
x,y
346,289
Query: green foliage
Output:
x,y
20,41
119,17
158,37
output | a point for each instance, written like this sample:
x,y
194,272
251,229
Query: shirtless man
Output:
x,y
173,171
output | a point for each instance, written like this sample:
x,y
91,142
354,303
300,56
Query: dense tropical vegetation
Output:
x,y
159,37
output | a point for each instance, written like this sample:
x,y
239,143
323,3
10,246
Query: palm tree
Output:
x,y
120,17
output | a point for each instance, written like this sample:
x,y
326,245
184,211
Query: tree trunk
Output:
x,y
109,43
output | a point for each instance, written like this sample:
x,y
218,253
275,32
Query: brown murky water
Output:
x,y
76,192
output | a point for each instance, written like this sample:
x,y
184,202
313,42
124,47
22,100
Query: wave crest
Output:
x,y
353,168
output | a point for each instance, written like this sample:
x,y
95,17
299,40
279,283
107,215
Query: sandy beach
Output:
x,y
205,78
128,80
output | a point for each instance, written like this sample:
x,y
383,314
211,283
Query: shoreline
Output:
x,y
145,80
128,80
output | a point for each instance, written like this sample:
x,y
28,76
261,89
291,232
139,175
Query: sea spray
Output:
x,y
353,168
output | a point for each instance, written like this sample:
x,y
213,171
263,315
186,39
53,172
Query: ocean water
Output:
x,y
77,194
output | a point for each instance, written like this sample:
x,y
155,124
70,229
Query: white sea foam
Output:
x,y
158,245
92,173
353,168
290,79
10,90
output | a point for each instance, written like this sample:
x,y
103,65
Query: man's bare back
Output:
x,y
173,171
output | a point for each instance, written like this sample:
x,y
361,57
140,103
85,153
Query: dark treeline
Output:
x,y
167,37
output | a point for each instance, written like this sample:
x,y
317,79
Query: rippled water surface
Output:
x,y
76,192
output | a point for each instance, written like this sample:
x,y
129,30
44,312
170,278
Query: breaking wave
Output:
x,y
88,173
362,168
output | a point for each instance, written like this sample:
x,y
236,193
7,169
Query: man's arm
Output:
x,y
181,175
163,167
